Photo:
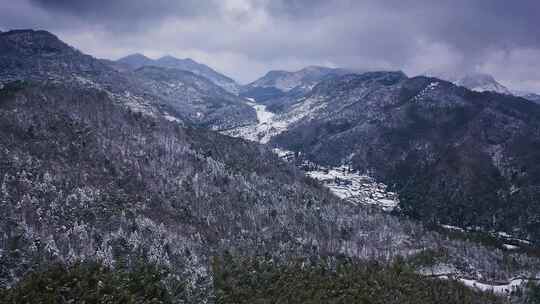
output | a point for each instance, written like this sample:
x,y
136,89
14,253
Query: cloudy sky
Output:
x,y
246,38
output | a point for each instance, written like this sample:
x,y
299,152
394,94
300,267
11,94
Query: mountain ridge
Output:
x,y
277,83
39,56
207,104
137,60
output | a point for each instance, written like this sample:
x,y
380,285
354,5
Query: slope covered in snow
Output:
x,y
270,124
482,83
355,187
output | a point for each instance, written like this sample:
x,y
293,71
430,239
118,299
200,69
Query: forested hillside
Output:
x,y
454,156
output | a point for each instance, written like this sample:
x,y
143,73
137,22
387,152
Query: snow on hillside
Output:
x,y
495,288
270,124
446,272
356,188
482,83
349,185
491,87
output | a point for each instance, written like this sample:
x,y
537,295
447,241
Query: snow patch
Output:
x,y
355,187
171,118
347,184
269,124
495,288
510,247
455,228
432,86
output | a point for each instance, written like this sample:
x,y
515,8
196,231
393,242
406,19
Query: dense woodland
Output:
x,y
253,280
248,280
94,283
261,280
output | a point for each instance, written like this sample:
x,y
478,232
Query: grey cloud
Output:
x,y
244,38
125,15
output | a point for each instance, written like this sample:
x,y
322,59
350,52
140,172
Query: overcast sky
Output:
x,y
246,38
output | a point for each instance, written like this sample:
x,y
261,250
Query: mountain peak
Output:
x,y
315,68
32,41
28,32
135,60
478,78
304,78
481,82
171,60
167,57
136,55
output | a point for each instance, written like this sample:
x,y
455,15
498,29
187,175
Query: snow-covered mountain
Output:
x,y
482,83
305,78
199,100
136,61
93,168
279,83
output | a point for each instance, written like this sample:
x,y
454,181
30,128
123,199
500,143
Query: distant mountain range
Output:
x,y
136,61
39,56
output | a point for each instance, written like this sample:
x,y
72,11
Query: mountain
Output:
x,y
454,156
485,82
136,61
277,84
93,168
39,56
532,97
100,182
527,95
482,83
204,103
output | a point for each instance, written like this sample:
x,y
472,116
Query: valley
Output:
x,y
351,186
